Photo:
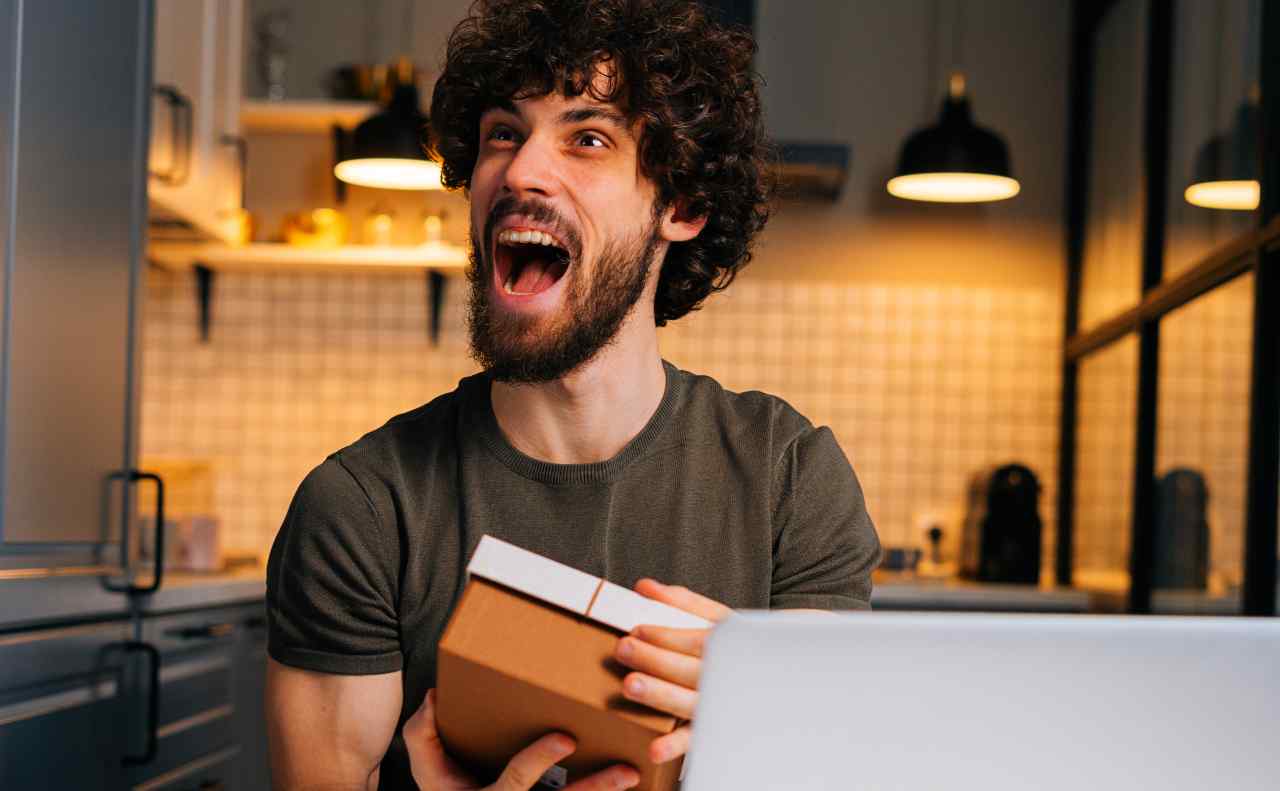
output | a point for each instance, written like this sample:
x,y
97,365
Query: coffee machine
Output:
x,y
1002,529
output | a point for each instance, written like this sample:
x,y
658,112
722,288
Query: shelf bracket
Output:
x,y
435,302
204,298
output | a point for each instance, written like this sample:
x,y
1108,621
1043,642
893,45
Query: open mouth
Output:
x,y
528,262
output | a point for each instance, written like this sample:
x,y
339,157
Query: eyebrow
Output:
x,y
580,114
506,105
576,115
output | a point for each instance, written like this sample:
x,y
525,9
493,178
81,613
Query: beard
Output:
x,y
534,349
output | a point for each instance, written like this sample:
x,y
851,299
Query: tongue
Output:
x,y
533,278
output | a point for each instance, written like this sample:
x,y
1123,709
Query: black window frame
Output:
x,y
1257,251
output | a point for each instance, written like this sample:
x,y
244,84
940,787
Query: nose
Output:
x,y
531,170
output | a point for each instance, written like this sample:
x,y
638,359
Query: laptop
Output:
x,y
917,702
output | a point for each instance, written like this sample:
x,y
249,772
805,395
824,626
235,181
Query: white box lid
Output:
x,y
625,609
574,590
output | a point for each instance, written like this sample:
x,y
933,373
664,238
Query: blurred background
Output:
x,y
1016,265
928,335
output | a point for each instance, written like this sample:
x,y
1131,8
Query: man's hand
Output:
x,y
668,663
434,770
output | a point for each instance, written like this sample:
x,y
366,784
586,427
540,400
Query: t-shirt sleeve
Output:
x,y
331,580
825,546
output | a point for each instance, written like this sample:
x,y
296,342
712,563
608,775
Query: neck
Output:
x,y
592,413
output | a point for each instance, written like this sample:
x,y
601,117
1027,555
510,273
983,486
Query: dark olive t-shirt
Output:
x,y
734,495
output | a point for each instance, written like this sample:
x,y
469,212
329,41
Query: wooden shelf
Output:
x,y
275,255
301,115
209,258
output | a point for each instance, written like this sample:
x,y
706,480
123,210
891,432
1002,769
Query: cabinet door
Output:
x,y
73,93
195,722
62,699
195,173
250,692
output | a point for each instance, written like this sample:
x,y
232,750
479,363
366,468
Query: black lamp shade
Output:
x,y
954,161
386,150
1225,173
397,132
954,145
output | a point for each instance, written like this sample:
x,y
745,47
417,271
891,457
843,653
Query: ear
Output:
x,y
678,226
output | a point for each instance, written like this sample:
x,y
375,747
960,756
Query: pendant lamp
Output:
x,y
955,160
1225,174
386,149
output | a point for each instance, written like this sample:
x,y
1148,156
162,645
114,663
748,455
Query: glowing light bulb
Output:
x,y
394,174
953,187
1241,195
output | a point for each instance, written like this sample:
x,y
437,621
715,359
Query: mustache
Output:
x,y
538,211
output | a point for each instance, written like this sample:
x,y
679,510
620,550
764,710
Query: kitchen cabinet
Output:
x,y
61,701
98,690
250,689
209,726
74,91
173,701
195,160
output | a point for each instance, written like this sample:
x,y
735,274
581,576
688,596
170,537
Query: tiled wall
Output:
x,y
1106,413
1203,409
1202,424
298,366
922,385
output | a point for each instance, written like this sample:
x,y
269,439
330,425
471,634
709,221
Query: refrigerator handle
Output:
x,y
158,570
180,132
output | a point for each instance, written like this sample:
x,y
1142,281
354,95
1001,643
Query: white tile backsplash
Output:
x,y
923,385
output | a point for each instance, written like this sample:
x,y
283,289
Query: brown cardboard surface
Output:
x,y
512,668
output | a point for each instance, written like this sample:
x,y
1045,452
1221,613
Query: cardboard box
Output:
x,y
529,650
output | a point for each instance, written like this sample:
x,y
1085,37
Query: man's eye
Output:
x,y
501,134
590,140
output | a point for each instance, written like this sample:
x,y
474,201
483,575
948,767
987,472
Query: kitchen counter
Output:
x,y
34,602
1109,593
184,590
913,593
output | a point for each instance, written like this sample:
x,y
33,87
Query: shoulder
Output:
x,y
755,419
397,455
410,436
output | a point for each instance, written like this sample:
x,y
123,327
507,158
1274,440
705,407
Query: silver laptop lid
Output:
x,y
991,702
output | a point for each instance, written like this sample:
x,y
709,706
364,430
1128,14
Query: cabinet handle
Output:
x,y
242,160
180,129
185,111
153,702
158,572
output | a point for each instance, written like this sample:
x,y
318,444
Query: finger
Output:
x,y
672,666
428,759
533,761
661,695
670,746
682,598
690,642
424,718
620,776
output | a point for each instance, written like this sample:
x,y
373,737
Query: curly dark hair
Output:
x,y
688,82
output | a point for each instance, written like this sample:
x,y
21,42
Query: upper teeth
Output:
x,y
526,237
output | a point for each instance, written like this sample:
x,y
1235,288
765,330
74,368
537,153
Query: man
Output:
x,y
616,166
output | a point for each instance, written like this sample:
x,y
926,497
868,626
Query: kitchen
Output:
x,y
1103,337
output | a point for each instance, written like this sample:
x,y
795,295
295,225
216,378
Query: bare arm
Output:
x,y
328,731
